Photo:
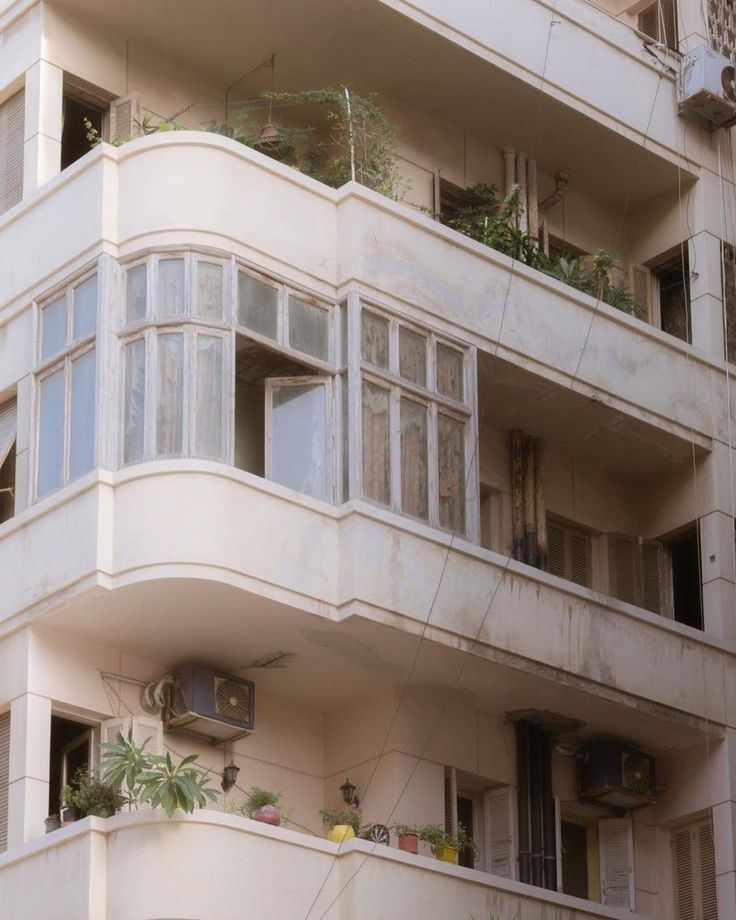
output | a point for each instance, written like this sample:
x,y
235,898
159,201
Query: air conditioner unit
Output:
x,y
615,775
217,706
707,86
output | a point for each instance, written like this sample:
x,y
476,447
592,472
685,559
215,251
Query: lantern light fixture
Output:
x,y
348,793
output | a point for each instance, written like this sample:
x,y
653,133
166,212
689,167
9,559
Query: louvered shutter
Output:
x,y
451,801
648,21
8,429
4,777
12,126
622,567
556,550
729,299
693,856
641,287
150,730
569,553
500,845
615,843
125,116
650,575
580,553
659,21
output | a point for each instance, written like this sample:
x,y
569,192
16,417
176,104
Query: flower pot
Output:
x,y
409,843
267,814
446,854
103,811
69,813
340,832
53,823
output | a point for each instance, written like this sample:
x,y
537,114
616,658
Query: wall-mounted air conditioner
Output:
x,y
217,706
616,775
707,86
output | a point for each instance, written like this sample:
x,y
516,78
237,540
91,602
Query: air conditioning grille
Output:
x,y
637,772
232,699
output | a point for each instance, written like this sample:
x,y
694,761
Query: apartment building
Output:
x,y
461,532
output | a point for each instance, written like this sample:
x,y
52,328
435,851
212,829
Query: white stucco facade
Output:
x,y
156,510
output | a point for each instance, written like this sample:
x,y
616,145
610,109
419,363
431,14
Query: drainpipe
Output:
x,y
548,813
522,795
536,799
530,504
521,180
509,170
517,493
561,182
541,510
532,203
545,237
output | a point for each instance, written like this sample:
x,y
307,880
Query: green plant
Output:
x,y
331,818
437,837
153,778
402,830
91,795
257,798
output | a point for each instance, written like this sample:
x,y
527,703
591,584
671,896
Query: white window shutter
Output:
x,y
707,854
149,730
694,865
500,843
451,801
650,578
641,287
616,845
8,428
622,567
4,777
125,117
682,856
12,129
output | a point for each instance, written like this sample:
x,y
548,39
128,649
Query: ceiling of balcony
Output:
x,y
365,44
334,665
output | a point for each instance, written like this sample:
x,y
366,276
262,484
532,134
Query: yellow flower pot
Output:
x,y
340,832
446,854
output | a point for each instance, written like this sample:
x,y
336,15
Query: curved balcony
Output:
x,y
210,866
197,189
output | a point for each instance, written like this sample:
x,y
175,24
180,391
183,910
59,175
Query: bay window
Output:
x,y
65,377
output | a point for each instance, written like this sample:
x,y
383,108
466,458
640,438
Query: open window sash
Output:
x,y
299,434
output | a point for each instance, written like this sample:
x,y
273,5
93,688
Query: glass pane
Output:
x,y
170,402
309,329
451,463
51,433
82,433
209,290
135,295
414,488
299,438
171,291
258,306
135,405
85,308
413,356
53,328
209,397
345,437
449,372
374,339
376,472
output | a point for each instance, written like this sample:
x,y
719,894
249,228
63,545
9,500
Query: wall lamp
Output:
x,y
229,776
348,793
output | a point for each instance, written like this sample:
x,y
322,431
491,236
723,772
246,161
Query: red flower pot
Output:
x,y
267,814
409,843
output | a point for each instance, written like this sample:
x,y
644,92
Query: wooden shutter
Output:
x,y
498,821
635,568
648,21
12,127
622,567
615,843
569,553
641,287
693,857
659,21
4,777
729,299
125,116
451,801
649,576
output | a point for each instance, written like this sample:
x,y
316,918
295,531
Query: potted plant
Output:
x,y
465,843
408,837
442,844
341,825
68,811
89,795
263,806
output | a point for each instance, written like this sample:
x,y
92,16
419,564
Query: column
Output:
x,y
30,752
43,125
717,545
706,298
724,824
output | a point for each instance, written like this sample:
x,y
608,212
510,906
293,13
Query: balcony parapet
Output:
x,y
538,623
209,864
199,189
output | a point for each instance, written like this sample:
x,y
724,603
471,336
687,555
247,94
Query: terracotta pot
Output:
x,y
446,854
267,814
409,843
340,832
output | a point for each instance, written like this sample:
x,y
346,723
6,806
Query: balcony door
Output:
x,y
299,434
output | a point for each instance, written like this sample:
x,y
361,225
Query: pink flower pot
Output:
x,y
268,814
409,843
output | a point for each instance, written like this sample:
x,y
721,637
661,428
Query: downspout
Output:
x,y
541,509
521,180
522,797
536,798
532,203
517,493
530,505
509,170
548,813
561,181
